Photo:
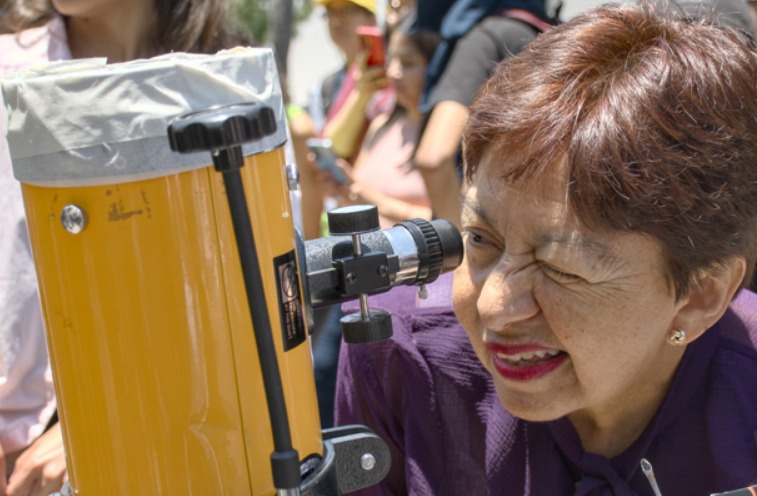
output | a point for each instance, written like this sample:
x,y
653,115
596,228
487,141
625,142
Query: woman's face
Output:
x,y
100,9
406,70
343,18
568,321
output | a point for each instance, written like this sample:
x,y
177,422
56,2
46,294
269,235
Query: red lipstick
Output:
x,y
523,362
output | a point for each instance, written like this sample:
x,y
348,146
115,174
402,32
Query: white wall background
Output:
x,y
312,56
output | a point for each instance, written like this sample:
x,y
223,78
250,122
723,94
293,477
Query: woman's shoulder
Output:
x,y
739,324
729,408
33,46
734,365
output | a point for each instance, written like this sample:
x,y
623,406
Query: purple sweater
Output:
x,y
427,395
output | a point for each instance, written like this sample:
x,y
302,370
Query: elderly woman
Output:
x,y
610,221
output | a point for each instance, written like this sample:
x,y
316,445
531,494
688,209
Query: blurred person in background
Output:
x,y
381,175
343,105
340,106
32,459
478,35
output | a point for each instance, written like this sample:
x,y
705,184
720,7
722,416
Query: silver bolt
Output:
x,y
73,218
293,177
422,292
367,461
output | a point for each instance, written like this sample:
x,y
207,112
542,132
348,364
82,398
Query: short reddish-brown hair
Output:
x,y
657,119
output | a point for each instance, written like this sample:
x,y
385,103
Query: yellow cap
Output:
x,y
369,5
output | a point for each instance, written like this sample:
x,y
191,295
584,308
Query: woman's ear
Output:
x,y
709,297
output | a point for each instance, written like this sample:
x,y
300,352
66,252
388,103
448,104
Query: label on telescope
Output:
x,y
290,300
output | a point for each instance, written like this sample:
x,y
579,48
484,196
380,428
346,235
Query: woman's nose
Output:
x,y
393,70
507,295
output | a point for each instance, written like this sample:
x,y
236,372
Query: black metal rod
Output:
x,y
284,460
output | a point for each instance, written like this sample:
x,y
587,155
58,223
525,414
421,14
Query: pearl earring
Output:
x,y
677,337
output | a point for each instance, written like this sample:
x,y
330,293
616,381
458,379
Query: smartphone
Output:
x,y
373,40
325,158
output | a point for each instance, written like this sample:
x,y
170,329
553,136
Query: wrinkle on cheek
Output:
x,y
586,294
569,314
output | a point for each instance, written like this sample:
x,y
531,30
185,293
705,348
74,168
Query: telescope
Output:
x,y
176,291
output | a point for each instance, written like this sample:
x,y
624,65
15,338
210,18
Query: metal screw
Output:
x,y
383,270
422,292
73,218
293,177
350,278
367,461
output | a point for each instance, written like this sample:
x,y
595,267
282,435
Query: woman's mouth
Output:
x,y
530,358
521,365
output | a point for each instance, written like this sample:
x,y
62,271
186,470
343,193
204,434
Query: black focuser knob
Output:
x,y
362,329
221,127
355,219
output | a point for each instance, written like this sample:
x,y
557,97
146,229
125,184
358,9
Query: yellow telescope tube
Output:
x,y
148,327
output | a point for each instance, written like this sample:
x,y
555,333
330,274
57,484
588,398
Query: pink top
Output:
x,y
27,398
34,46
385,168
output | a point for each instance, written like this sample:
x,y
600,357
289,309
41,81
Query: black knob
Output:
x,y
355,219
359,330
221,127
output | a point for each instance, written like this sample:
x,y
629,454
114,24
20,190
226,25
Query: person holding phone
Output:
x,y
357,93
362,99
381,175
340,106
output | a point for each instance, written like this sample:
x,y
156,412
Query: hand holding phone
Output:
x,y
373,40
325,158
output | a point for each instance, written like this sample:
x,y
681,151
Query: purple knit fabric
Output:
x,y
427,395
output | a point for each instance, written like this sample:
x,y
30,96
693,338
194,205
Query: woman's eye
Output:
x,y
558,274
474,237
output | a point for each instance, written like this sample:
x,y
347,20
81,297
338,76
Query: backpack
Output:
x,y
462,16
524,16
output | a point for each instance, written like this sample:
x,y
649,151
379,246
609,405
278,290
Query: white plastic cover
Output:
x,y
84,122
